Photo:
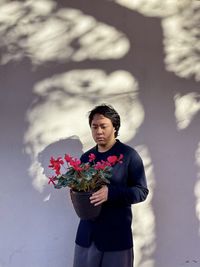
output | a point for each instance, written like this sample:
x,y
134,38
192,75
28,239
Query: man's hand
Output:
x,y
100,196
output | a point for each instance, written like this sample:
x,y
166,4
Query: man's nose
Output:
x,y
99,130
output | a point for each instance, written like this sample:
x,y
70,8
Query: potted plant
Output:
x,y
83,179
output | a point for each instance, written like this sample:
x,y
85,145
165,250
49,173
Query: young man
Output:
x,y
107,240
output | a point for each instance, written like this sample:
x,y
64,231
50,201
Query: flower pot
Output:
x,y
84,209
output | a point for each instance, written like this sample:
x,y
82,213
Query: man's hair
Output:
x,y
107,111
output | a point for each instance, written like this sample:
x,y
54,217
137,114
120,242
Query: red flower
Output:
x,y
112,159
56,164
102,165
77,175
92,157
75,163
52,179
120,158
67,158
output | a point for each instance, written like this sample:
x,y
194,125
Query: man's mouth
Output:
x,y
100,138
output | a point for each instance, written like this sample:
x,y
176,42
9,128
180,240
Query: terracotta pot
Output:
x,y
84,209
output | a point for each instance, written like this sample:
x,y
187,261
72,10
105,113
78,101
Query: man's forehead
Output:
x,y
100,123
100,119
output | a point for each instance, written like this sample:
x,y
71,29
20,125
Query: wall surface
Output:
x,y
58,59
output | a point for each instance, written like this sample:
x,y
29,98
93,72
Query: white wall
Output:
x,y
53,69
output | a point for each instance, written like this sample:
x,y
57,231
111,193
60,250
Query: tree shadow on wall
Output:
x,y
59,199
172,151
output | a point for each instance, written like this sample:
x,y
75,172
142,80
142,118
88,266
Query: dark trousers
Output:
x,y
92,257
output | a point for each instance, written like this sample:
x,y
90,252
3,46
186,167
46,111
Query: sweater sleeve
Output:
x,y
136,189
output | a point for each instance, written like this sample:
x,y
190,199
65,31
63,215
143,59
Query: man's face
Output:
x,y
103,131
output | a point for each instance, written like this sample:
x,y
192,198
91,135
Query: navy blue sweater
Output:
x,y
112,231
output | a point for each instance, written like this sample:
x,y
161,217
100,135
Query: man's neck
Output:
x,y
104,148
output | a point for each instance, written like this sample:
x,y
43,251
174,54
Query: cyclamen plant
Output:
x,y
79,176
